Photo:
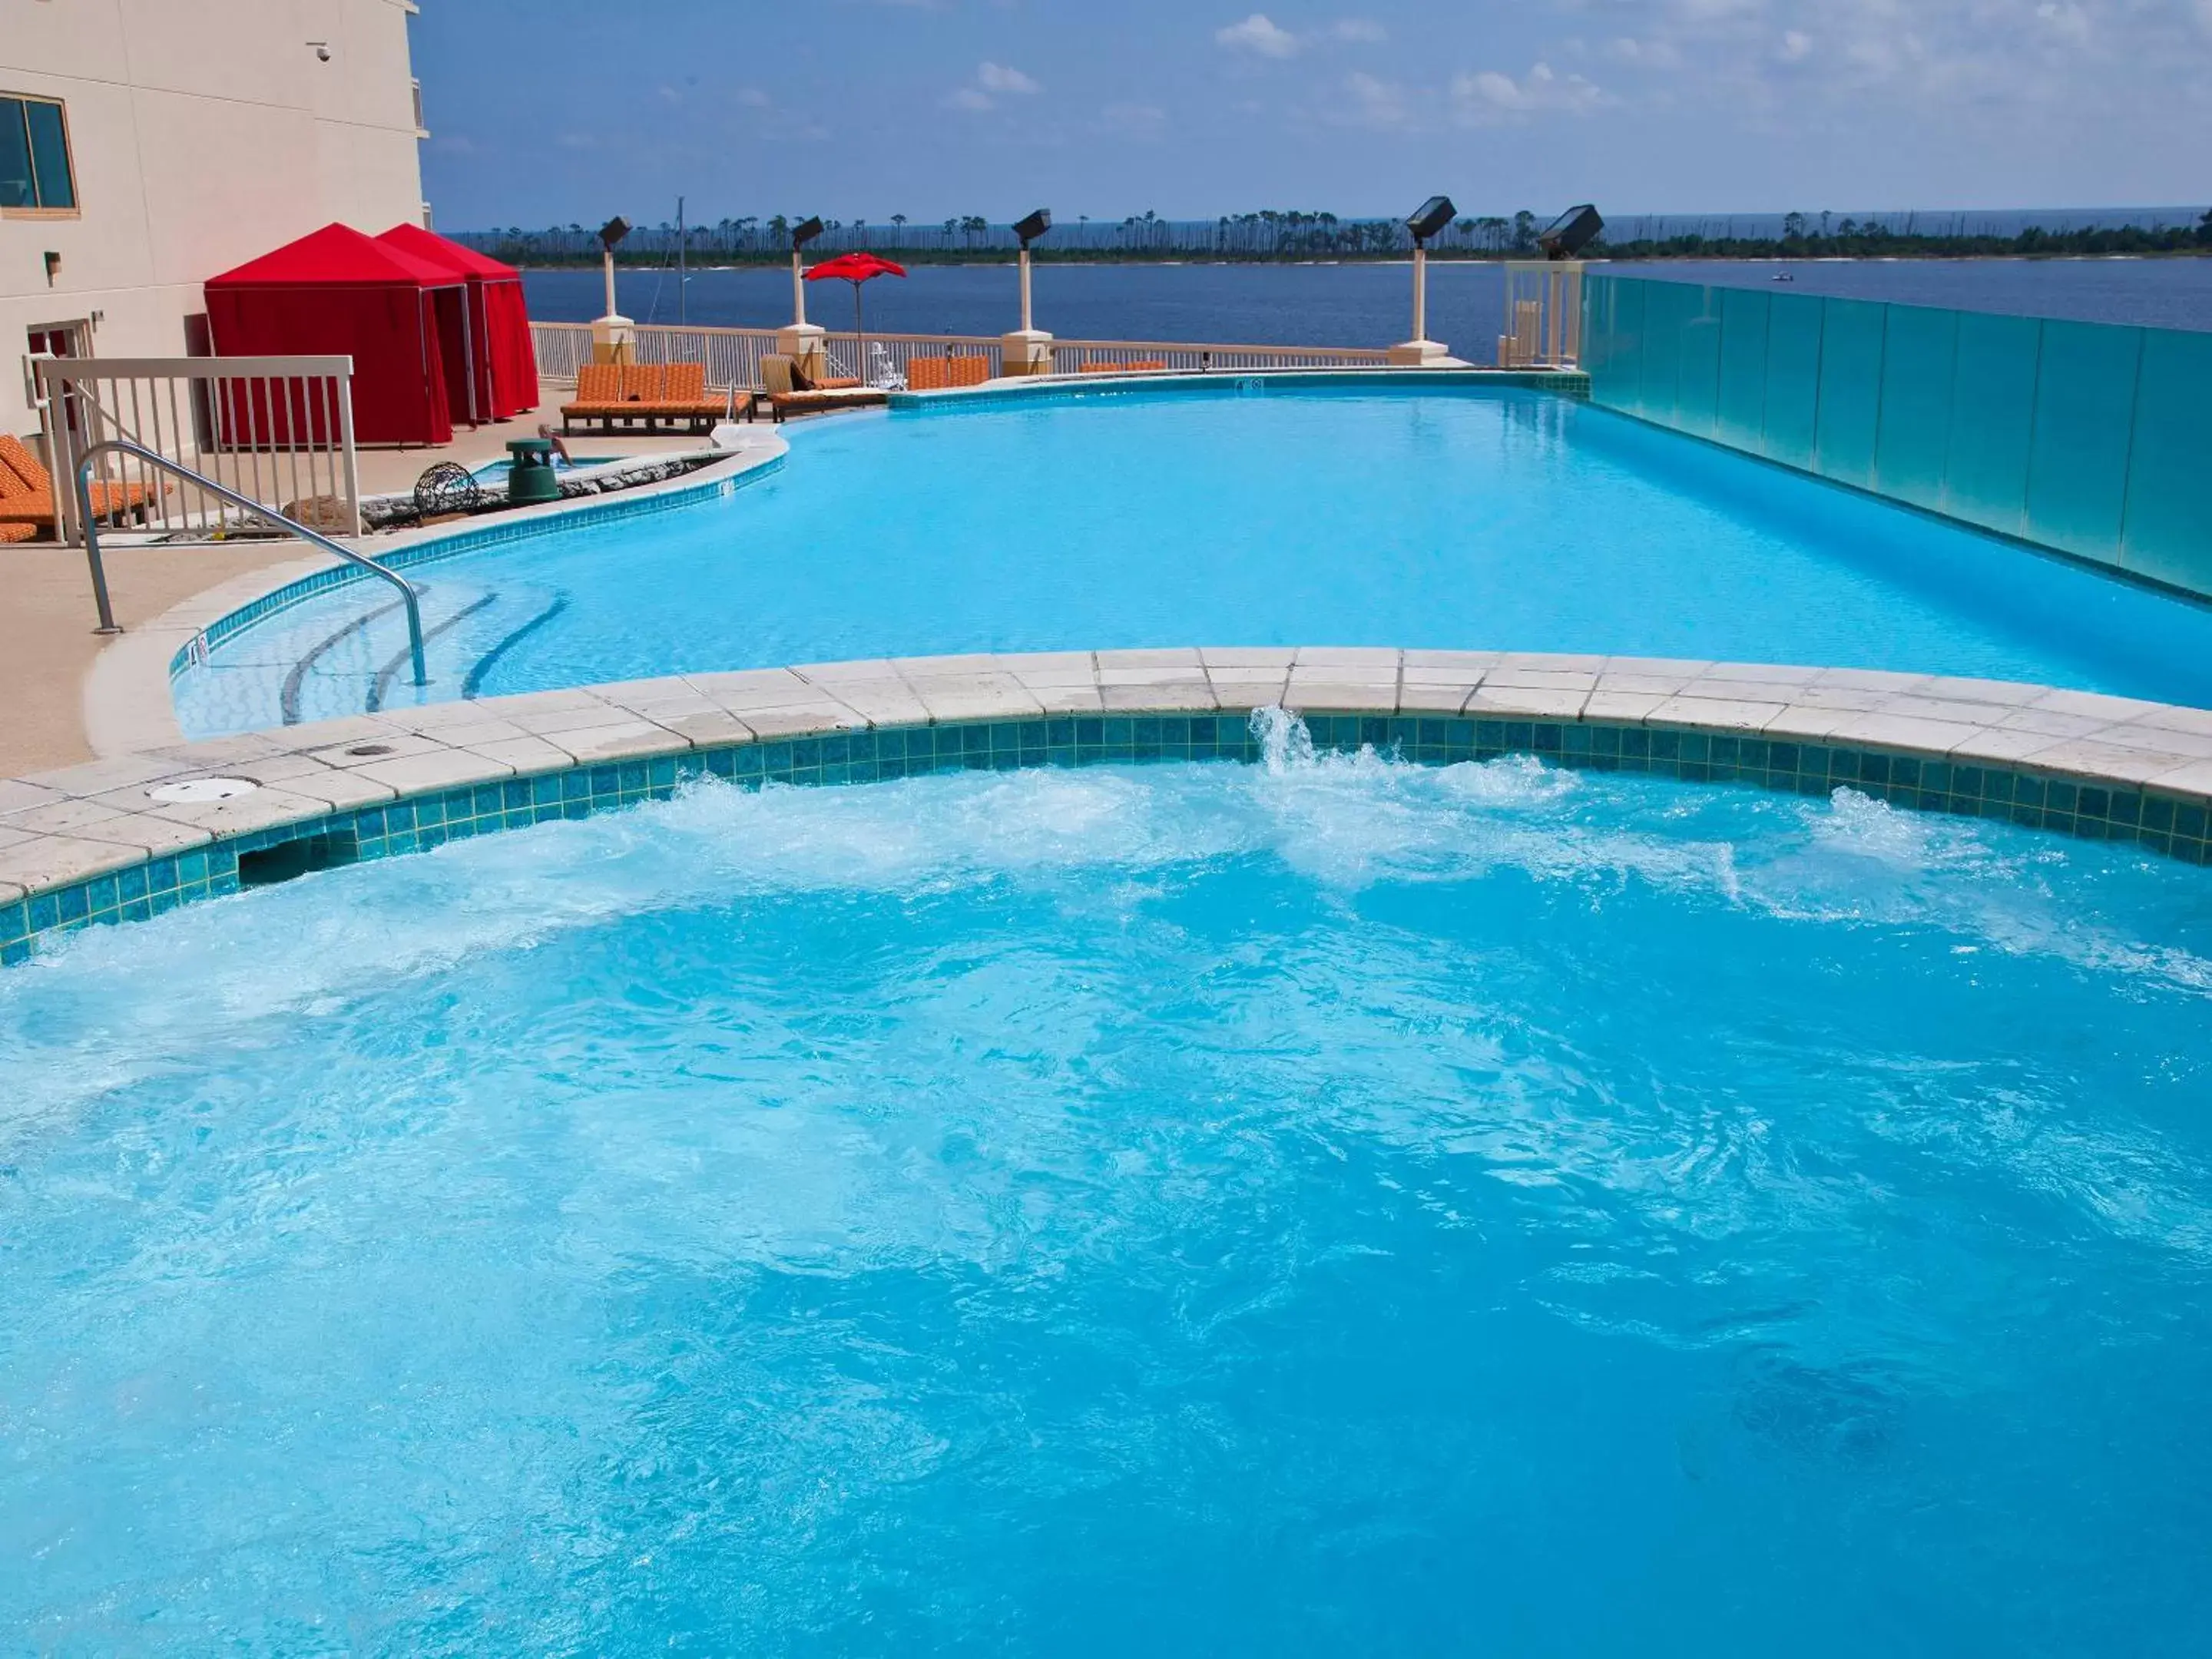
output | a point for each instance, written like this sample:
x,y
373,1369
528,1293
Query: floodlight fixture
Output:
x,y
1431,216
612,232
1571,233
801,234
1035,226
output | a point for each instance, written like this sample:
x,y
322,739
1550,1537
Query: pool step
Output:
x,y
333,659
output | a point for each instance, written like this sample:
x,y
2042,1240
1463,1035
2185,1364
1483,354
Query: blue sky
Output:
x,y
559,110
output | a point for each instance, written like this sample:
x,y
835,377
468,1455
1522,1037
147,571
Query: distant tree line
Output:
x,y
1267,234
1830,239
1294,235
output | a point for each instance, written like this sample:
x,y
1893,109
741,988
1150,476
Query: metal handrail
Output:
x,y
245,503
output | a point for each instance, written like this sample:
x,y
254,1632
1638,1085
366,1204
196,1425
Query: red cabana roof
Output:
x,y
506,359
443,250
337,256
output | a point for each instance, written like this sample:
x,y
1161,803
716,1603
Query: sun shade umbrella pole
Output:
x,y
856,268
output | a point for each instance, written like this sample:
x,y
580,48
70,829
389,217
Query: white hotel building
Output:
x,y
147,145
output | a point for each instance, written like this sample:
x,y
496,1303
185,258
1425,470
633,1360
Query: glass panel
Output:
x,y
1601,336
1850,390
1741,420
16,189
1697,401
50,158
1666,310
1623,387
2168,534
1919,357
1992,412
2077,474
1793,378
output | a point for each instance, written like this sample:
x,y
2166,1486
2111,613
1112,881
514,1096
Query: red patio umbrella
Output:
x,y
856,269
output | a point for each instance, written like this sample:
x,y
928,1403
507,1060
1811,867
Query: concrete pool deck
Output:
x,y
2100,767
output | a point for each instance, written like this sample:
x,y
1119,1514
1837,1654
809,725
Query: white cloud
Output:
x,y
1379,103
1657,53
1796,46
1259,35
992,82
1000,77
2069,22
1488,97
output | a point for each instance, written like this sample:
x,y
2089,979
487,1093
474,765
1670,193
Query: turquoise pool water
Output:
x,y
1329,1207
1481,519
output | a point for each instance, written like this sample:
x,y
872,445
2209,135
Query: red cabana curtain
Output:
x,y
335,292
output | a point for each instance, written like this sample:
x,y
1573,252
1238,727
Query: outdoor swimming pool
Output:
x,y
1324,1207
1476,519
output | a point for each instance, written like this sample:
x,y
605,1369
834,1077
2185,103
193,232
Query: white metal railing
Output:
x,y
1072,356
1543,314
277,430
732,355
561,348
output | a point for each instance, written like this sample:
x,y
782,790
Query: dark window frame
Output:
x,y
39,209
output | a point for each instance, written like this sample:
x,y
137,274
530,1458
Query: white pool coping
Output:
x,y
66,826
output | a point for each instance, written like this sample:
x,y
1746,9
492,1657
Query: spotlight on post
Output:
x,y
1028,349
804,342
1544,298
1571,233
611,334
1421,352
1431,216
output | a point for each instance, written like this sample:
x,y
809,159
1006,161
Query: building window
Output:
x,y
35,176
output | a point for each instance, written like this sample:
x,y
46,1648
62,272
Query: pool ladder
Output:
x,y
221,492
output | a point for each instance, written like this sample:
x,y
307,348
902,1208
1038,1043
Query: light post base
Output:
x,y
803,342
1422,354
1025,352
614,339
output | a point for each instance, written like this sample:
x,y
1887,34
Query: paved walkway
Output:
x,y
47,615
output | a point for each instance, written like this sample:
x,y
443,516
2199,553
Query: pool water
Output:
x,y
1475,519
1323,1207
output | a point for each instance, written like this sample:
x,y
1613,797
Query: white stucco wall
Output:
x,y
204,132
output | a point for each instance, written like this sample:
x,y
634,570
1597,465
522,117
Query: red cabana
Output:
x,y
499,319
404,321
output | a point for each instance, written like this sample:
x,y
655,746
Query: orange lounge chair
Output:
x,y
944,373
623,395
598,395
685,398
1142,366
791,393
27,497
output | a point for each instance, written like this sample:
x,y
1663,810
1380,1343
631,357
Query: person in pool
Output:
x,y
560,448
